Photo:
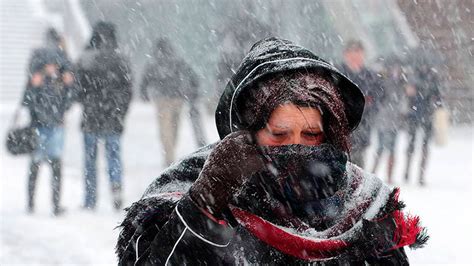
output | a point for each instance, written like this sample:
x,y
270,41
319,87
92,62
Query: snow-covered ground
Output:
x,y
84,237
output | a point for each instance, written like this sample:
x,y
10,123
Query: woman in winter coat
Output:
x,y
48,95
277,188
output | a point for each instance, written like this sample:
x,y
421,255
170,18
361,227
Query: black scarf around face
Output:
x,y
300,182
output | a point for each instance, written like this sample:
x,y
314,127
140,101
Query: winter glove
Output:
x,y
225,171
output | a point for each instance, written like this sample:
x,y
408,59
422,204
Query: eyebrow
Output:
x,y
277,126
317,127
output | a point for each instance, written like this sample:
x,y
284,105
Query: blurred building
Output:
x,y
21,29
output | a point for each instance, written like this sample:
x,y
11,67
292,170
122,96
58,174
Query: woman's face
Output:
x,y
292,124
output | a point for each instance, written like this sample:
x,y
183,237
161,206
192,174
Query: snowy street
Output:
x,y
88,238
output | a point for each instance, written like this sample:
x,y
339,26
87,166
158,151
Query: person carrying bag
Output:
x,y
49,93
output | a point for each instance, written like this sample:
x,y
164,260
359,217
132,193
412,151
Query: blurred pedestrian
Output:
x,y
48,95
389,117
423,99
370,84
106,80
191,96
170,82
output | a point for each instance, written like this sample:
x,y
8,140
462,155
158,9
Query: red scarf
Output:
x,y
339,238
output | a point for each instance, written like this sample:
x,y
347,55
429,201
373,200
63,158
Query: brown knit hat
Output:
x,y
302,88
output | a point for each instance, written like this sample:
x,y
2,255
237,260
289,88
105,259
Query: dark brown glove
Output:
x,y
228,167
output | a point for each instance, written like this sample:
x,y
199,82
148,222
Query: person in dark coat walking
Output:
x,y
170,82
278,187
105,93
389,117
48,95
423,99
371,85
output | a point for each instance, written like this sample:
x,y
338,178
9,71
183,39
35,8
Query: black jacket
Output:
x,y
48,103
105,93
165,226
370,84
105,80
372,87
427,97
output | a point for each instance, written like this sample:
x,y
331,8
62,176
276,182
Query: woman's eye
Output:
x,y
314,135
278,134
311,134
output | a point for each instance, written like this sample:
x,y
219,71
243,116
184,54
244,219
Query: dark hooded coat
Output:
x,y
49,102
427,98
51,53
105,81
166,227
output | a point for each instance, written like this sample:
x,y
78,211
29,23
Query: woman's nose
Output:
x,y
294,139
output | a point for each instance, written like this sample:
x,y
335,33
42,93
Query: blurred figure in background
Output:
x,y
370,84
191,97
423,98
106,80
389,118
236,37
48,95
170,82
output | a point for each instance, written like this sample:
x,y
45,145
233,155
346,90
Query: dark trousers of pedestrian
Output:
x,y
50,146
360,142
386,142
114,163
426,127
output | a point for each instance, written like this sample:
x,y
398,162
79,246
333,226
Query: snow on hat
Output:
x,y
273,56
